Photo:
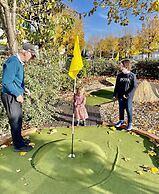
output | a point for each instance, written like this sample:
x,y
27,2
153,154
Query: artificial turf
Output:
x,y
100,97
106,162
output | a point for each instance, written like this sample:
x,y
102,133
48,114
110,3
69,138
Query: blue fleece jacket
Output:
x,y
13,76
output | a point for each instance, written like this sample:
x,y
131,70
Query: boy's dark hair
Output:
x,y
127,64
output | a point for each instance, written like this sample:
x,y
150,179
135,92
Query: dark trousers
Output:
x,y
125,104
14,113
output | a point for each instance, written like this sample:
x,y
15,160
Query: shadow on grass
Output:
x,y
150,146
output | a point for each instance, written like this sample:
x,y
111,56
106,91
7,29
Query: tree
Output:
x,y
32,18
125,45
117,10
75,29
8,22
110,46
148,37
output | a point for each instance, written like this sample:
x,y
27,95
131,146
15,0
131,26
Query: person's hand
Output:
x,y
125,96
114,98
27,92
20,99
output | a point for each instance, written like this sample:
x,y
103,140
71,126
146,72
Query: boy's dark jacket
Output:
x,y
125,85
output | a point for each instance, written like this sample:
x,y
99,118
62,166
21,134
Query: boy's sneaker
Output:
x,y
26,141
129,127
119,123
25,148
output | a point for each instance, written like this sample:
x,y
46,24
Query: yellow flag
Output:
x,y
117,57
76,63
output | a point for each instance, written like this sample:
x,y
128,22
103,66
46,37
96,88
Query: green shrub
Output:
x,y
147,69
44,77
104,67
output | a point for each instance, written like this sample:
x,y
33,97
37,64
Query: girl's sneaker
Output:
x,y
77,123
129,127
119,123
84,123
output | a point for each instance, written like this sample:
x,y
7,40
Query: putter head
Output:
x,y
71,155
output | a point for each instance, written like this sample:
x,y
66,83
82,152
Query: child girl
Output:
x,y
124,92
80,110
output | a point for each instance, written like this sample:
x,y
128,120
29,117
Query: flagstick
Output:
x,y
72,155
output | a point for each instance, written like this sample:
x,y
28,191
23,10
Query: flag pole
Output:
x,y
75,67
72,155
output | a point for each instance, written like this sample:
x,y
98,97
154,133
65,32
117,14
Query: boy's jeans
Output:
x,y
125,104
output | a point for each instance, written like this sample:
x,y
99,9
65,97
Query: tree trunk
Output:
x,y
10,24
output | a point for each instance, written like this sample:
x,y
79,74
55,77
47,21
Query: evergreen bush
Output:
x,y
44,77
147,69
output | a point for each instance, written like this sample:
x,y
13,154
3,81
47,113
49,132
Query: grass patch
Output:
x,y
100,97
111,80
106,161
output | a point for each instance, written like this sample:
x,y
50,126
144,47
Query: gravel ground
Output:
x,y
145,115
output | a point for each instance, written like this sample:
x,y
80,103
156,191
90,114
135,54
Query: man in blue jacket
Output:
x,y
13,89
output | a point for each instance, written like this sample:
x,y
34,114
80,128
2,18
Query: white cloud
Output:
x,y
101,15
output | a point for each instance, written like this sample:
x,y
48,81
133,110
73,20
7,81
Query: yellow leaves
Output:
x,y
103,5
151,153
154,170
22,153
112,128
155,5
151,131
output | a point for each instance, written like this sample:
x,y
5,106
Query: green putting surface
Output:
x,y
100,96
106,162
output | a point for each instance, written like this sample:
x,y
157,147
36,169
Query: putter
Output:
x,y
110,118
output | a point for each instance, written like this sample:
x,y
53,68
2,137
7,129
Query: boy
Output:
x,y
124,92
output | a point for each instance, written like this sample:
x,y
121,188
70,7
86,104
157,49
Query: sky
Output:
x,y
97,25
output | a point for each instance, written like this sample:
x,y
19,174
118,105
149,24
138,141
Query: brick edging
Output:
x,y
7,139
146,134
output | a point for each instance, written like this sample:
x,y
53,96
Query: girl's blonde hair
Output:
x,y
79,89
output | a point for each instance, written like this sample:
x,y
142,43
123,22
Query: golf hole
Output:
x,y
90,166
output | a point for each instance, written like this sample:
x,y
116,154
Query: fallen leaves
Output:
x,y
126,159
151,153
51,131
139,172
18,170
22,153
3,146
113,128
153,170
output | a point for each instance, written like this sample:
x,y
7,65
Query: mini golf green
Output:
x,y
100,96
106,162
